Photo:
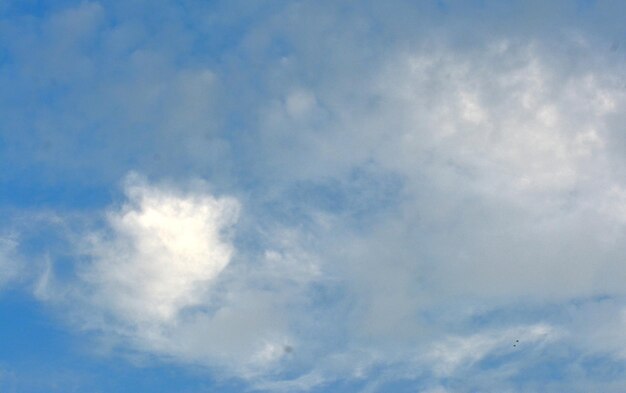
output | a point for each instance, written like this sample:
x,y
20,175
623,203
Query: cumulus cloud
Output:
x,y
500,172
160,274
509,190
160,253
503,138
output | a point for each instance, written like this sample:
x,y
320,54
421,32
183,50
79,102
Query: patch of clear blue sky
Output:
x,y
38,354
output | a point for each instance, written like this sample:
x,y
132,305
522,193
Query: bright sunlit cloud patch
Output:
x,y
161,252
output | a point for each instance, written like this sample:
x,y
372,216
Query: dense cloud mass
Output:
x,y
316,195
163,251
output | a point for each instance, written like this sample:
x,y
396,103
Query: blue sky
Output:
x,y
321,196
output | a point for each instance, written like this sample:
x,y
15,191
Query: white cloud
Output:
x,y
507,197
510,193
508,119
162,251
162,276
507,151
452,353
507,191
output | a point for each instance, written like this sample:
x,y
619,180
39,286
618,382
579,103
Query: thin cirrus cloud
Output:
x,y
403,211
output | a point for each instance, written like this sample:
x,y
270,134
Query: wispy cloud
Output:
x,y
11,264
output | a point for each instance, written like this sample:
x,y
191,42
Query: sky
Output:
x,y
312,196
